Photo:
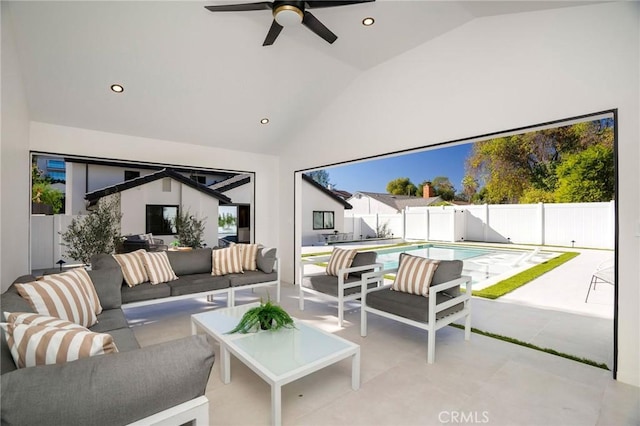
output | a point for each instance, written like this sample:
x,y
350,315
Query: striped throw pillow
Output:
x,y
37,319
340,259
85,280
33,345
132,267
158,267
58,297
248,254
227,261
414,275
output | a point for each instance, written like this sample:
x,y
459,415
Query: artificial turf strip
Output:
x,y
537,348
518,280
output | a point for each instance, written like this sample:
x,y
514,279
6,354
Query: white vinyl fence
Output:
x,y
590,225
46,247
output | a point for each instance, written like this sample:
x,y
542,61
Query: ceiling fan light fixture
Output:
x,y
369,21
287,15
117,88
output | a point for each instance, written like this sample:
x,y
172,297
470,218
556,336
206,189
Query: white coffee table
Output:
x,y
279,357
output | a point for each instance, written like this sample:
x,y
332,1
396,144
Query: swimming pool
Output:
x,y
485,265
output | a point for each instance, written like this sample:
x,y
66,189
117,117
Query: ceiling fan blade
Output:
x,y
330,3
318,27
273,33
262,5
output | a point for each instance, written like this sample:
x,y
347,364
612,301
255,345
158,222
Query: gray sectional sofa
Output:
x,y
193,269
136,385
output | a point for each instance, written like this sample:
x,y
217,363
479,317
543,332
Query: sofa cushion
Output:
x,y
133,268
197,283
57,296
196,261
414,275
226,261
407,305
125,339
144,291
158,267
33,345
251,277
103,261
110,320
340,259
121,388
266,259
328,284
363,258
108,283
448,270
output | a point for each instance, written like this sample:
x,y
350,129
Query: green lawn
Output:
x,y
506,286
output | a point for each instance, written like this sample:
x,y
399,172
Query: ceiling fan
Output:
x,y
288,12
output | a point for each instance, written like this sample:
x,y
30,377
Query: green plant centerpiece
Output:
x,y
267,316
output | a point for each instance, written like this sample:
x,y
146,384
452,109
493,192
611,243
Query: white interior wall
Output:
x,y
490,75
15,203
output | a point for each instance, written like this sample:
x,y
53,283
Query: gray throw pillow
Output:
x,y
363,258
266,259
108,285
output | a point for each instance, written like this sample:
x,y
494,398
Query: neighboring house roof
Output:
x,y
231,183
94,196
342,194
399,202
328,192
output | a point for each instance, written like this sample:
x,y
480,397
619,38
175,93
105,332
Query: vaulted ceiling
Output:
x,y
204,78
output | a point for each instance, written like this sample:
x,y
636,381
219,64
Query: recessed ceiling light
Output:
x,y
117,88
264,121
367,22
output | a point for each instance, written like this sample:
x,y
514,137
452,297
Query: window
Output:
x,y
161,219
200,179
323,220
55,164
57,176
130,174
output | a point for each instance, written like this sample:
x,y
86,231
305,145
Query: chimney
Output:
x,y
428,191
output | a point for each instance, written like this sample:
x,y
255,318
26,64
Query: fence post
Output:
x,y
485,223
541,228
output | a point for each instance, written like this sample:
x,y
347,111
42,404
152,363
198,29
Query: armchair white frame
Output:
x,y
434,323
341,287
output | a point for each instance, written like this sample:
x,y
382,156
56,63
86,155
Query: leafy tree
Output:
x,y
321,177
190,229
98,232
401,186
443,188
514,166
42,192
587,176
469,187
535,195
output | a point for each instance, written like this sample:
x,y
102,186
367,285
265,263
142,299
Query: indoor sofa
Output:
x,y
193,269
141,386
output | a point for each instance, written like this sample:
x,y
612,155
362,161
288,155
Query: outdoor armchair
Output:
x,y
342,288
444,305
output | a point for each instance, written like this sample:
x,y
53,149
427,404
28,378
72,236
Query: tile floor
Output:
x,y
482,381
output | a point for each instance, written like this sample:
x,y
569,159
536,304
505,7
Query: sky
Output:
x,y
373,175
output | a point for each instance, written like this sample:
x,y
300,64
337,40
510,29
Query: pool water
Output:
x,y
484,265
390,257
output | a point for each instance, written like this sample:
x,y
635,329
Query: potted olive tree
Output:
x,y
96,233
190,230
